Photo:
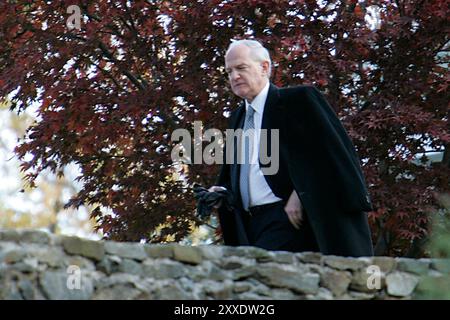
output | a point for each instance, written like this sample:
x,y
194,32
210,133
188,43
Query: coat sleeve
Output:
x,y
323,160
227,218
224,178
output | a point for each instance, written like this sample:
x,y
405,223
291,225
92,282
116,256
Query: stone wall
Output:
x,y
37,265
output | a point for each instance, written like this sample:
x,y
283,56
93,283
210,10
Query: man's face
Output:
x,y
247,77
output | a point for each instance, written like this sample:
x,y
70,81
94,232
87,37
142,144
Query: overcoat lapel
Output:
x,y
237,122
271,118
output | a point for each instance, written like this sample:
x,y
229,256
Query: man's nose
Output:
x,y
234,75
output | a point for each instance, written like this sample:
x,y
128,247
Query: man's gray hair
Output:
x,y
257,51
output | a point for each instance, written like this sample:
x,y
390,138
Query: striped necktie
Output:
x,y
247,137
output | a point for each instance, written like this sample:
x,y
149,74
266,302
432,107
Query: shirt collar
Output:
x,y
260,100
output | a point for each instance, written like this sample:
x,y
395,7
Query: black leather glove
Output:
x,y
207,200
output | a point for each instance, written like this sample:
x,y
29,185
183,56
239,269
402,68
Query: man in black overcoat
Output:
x,y
317,199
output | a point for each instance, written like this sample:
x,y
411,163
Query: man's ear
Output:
x,y
265,66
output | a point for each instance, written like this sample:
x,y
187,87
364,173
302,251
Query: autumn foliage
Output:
x,y
112,92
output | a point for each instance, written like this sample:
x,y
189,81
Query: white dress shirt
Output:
x,y
260,192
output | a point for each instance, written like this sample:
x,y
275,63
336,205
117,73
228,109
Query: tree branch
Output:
x,y
127,73
109,74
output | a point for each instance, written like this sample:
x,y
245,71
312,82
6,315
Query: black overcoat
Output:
x,y
319,161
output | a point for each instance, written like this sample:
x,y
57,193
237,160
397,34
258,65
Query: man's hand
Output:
x,y
294,210
214,189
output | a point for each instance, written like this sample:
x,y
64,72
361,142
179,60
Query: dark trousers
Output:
x,y
268,227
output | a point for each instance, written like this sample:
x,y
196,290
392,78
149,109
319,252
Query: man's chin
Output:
x,y
240,93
